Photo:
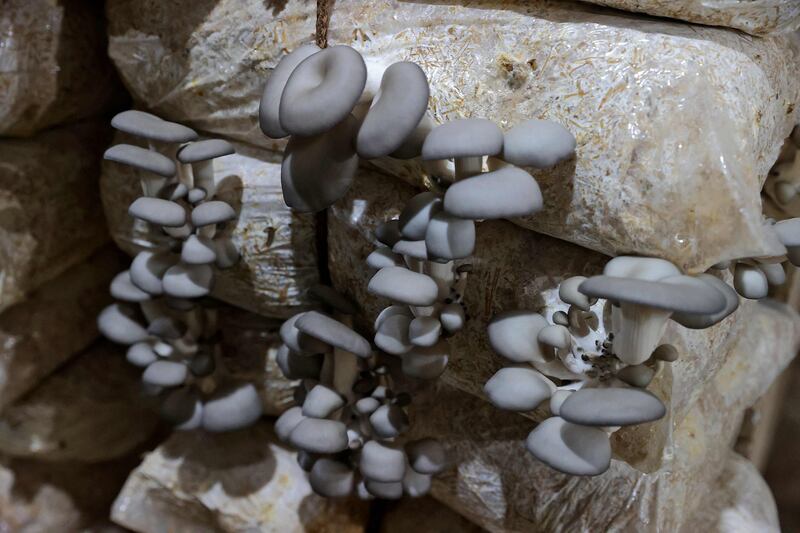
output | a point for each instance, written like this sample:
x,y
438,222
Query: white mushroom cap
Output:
x,y
122,288
204,150
321,401
750,282
194,194
386,491
774,273
789,234
416,484
389,421
322,91
392,335
165,373
391,311
117,324
388,232
694,321
383,463
333,332
188,281
383,257
152,127
404,286
505,193
644,268
568,293
158,211
299,342
396,110
232,408
537,143
413,249
426,362
317,171
334,299
141,158
198,250
269,108
469,137
557,400
316,435
183,409
366,406
570,448
332,479
556,336
140,354
148,268
415,216
449,237
213,212
424,331
452,317
518,389
611,407
288,420
426,456
297,366
514,335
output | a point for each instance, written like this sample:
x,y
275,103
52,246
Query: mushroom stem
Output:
x,y
208,231
203,174
638,330
345,365
468,166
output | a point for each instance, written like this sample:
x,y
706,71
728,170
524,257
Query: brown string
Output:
x,y
323,21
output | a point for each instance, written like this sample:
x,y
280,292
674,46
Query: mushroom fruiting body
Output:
x,y
269,108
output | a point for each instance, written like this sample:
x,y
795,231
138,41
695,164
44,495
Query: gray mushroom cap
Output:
x,y
288,420
140,354
636,375
570,448
402,285
382,463
538,144
424,331
330,478
449,237
750,282
152,127
317,171
141,158
426,456
397,109
644,268
316,435
334,333
198,250
416,484
452,317
204,150
194,195
165,373
426,362
117,324
505,193
148,268
322,91
334,299
158,211
468,137
514,336
413,249
568,293
611,407
389,421
388,232
676,293
383,257
387,491
298,341
269,108
517,389
555,335
416,214
183,409
213,212
122,288
297,366
231,408
321,401
695,321
392,335
188,281
774,273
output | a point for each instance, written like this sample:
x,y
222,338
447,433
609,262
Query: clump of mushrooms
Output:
x,y
163,314
592,352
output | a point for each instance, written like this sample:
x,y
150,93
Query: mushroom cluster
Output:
x,y
350,419
163,315
592,352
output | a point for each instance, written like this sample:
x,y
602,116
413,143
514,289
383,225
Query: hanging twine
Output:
x,y
323,20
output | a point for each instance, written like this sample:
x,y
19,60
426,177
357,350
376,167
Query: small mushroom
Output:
x,y
569,294
750,282
404,286
198,250
398,107
200,155
140,354
695,321
426,456
391,311
389,421
557,400
611,407
514,336
424,331
233,407
416,484
416,215
788,232
386,491
195,195
322,91
297,366
426,362
152,127
317,435
366,406
636,375
383,257
561,318
774,273
141,158
570,448
117,324
333,333
321,402
213,212
381,462
269,108
288,420
518,389
158,211
666,352
188,281
392,335
122,288
183,409
413,249
465,140
505,193
299,342
538,144
331,478
452,317
165,374
449,237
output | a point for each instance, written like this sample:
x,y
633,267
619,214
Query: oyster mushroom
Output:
x,y
333,333
695,321
321,402
417,214
789,234
381,462
611,407
449,237
514,335
331,478
402,285
233,407
467,141
200,155
426,456
315,435
518,389
116,322
158,211
538,144
750,282
269,107
570,448
505,193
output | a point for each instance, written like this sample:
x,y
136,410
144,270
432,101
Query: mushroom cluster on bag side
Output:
x,y
170,331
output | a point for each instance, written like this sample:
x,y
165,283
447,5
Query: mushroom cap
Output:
x,y
677,293
570,448
466,137
555,335
636,375
319,435
386,491
391,311
183,409
173,191
322,91
518,389
426,362
538,144
141,158
505,193
213,212
383,257
380,462
331,478
452,317
389,421
321,401
569,294
152,127
116,322
392,335
317,171
158,211
411,146
395,112
204,150
165,373
774,272
367,405
140,354
232,408
788,232
666,352
413,249
288,420
426,456
644,268
269,108
148,268
402,285
514,335
333,332
188,281
388,232
557,399
194,195
333,299
561,318
122,288
750,282
298,341
415,216
416,484
424,331
198,250
449,237
612,407
695,321
298,366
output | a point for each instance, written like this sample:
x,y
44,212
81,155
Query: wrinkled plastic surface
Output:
x,y
677,125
